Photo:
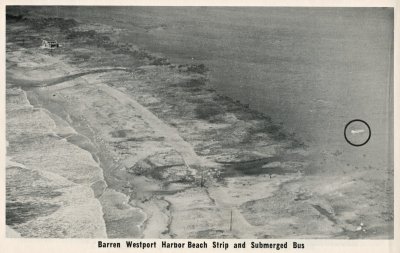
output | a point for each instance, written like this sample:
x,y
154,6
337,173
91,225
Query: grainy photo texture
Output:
x,y
199,122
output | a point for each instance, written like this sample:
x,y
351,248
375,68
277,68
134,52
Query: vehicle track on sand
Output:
x,y
241,228
58,80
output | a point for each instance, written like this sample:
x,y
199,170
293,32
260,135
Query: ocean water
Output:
x,y
311,69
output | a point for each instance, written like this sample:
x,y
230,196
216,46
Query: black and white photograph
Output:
x,y
199,122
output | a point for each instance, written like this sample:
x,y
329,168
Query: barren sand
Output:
x,y
113,141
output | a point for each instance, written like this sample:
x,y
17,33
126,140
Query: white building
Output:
x,y
49,44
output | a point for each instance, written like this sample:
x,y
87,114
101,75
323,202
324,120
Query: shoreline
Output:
x,y
229,157
54,180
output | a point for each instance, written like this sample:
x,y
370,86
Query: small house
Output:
x,y
49,44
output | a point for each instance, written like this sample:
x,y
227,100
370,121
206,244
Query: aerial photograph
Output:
x,y
199,122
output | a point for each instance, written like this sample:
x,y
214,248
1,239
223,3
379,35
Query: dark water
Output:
x,y
313,69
